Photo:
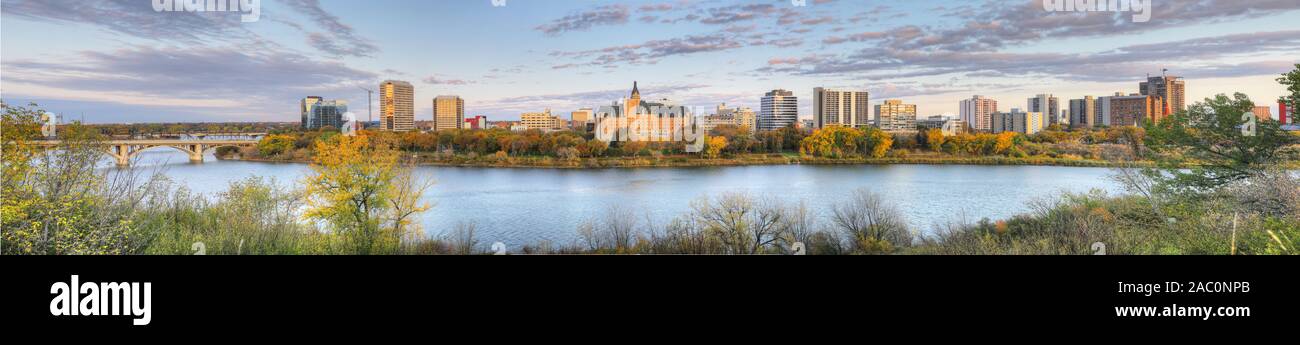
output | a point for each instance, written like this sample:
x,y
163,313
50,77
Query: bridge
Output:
x,y
124,150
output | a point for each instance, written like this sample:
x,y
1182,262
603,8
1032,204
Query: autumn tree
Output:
x,y
276,144
875,142
714,145
934,139
832,142
1004,142
364,194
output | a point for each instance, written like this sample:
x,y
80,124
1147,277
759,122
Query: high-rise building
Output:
x,y
543,121
581,119
847,108
1131,110
326,114
778,109
894,116
306,105
1084,112
1050,106
448,112
978,111
396,106
1169,93
1018,121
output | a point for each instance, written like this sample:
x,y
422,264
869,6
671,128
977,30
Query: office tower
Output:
x,y
326,114
895,116
1131,110
778,109
581,118
543,121
1083,112
448,112
307,103
1049,105
396,106
848,108
978,111
1169,93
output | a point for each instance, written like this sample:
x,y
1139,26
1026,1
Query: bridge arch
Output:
x,y
123,153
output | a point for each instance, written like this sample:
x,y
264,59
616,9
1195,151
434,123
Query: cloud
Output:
x,y
1195,58
339,39
990,28
737,13
252,78
138,19
434,80
580,21
133,18
650,51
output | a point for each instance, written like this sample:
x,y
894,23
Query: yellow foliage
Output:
x,y
714,145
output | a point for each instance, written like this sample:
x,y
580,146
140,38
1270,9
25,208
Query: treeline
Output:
x,y
497,143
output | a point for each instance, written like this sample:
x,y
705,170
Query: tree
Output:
x,y
934,139
363,194
276,144
714,145
875,142
874,226
833,142
1005,141
742,225
1292,82
56,201
1203,148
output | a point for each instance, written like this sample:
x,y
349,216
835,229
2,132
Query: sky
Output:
x,y
120,61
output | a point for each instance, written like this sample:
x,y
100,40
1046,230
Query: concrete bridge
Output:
x,y
124,150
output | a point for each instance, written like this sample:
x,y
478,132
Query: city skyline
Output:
x,y
144,66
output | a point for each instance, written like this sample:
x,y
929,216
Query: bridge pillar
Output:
x,y
196,153
123,155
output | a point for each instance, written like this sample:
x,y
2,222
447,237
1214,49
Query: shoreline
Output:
x,y
683,162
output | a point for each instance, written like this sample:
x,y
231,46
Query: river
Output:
x,y
526,206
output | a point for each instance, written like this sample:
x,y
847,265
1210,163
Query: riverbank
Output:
x,y
427,159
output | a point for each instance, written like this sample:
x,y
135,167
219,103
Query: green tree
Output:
x,y
54,201
1292,82
1203,148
